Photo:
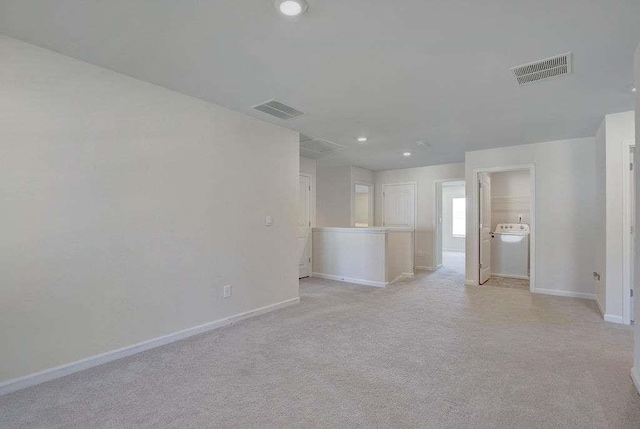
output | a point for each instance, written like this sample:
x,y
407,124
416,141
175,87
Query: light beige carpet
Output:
x,y
423,353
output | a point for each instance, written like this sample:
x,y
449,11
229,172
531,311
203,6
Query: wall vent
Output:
x,y
279,110
320,146
559,65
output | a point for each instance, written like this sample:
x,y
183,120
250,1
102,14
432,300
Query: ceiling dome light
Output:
x,y
633,89
291,7
407,154
362,139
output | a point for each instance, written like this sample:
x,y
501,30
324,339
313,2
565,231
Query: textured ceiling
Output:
x,y
395,71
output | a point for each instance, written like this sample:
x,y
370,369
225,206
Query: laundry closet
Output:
x,y
510,226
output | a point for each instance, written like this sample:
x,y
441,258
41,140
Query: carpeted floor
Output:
x,y
429,352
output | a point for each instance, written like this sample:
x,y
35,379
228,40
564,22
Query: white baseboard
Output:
x,y
635,376
90,362
470,283
402,276
424,268
453,250
608,317
509,276
613,319
350,280
565,293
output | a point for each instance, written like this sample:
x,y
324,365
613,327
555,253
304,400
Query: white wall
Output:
x,y
565,194
449,192
636,369
309,166
510,197
426,178
334,197
128,207
336,194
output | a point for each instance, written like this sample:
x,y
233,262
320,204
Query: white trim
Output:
x,y
600,306
565,293
453,250
350,280
627,262
510,276
635,376
437,225
613,319
401,276
424,268
470,283
352,230
102,358
532,223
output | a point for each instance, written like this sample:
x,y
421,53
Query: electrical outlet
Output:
x,y
226,291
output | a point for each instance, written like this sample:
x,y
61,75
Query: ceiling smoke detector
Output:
x,y
291,7
548,68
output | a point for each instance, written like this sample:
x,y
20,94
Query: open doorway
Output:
x,y
363,215
451,227
504,219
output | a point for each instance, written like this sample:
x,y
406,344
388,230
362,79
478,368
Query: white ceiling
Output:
x,y
395,71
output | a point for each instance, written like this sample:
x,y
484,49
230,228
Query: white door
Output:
x,y
304,227
485,226
399,205
633,231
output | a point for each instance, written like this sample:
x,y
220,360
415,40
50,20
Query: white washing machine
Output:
x,y
510,250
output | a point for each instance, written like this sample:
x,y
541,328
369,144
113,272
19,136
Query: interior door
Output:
x,y
632,172
399,205
304,227
484,180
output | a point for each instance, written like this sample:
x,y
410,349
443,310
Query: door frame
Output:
x,y
415,201
475,240
372,206
627,261
311,218
437,227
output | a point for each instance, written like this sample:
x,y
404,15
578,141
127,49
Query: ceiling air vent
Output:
x,y
320,146
279,110
543,69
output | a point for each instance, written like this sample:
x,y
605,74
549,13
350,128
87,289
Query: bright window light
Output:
x,y
459,217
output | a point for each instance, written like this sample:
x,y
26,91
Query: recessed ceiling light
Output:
x,y
633,89
362,139
291,7
407,154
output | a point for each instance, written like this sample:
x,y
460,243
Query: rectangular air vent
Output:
x,y
320,146
544,69
279,110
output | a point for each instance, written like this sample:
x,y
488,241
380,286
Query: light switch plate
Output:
x,y
226,291
268,221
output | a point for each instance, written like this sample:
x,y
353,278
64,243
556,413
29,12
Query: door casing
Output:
x,y
474,256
